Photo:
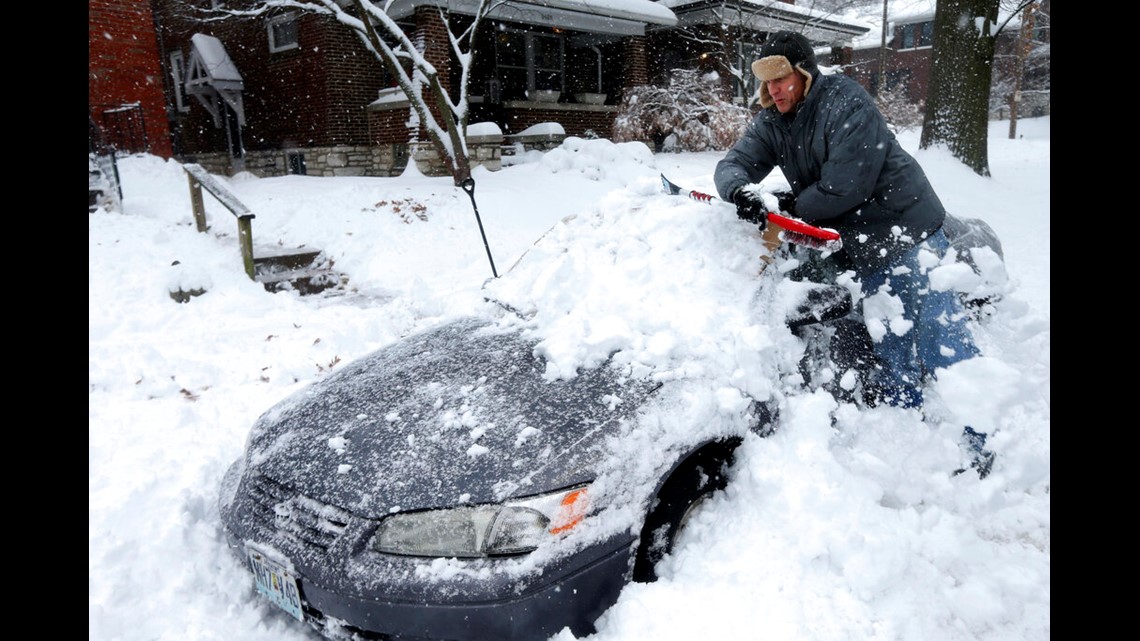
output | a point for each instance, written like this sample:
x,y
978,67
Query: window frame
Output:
x,y
274,23
916,35
530,60
178,79
747,86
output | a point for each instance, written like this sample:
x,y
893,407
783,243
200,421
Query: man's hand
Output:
x,y
750,207
787,201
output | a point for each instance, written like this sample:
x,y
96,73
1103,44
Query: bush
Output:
x,y
900,112
688,115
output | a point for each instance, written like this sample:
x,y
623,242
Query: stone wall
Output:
x,y
378,160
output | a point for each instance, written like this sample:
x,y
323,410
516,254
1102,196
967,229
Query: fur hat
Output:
x,y
782,53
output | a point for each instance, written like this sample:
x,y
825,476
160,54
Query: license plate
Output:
x,y
277,583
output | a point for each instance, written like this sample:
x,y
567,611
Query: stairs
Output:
x,y
305,271
102,183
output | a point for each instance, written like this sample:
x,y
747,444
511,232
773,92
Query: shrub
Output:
x,y
897,108
688,115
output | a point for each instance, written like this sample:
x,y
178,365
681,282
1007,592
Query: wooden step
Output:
x,y
286,258
302,281
301,270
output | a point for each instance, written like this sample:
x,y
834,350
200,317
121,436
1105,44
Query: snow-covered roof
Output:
x,y
768,15
900,12
211,75
619,17
216,64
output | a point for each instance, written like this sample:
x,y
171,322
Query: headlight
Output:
x,y
514,527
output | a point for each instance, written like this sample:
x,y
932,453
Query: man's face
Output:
x,y
787,91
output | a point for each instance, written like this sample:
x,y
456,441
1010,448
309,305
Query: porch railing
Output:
x,y
200,178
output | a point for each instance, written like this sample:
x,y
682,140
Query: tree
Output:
x,y
444,120
957,105
1021,75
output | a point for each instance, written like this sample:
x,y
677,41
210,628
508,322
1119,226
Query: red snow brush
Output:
x,y
791,230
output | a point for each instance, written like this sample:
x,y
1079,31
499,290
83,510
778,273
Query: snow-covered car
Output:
x,y
364,505
448,487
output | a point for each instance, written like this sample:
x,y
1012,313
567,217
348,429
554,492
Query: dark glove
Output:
x,y
787,201
750,207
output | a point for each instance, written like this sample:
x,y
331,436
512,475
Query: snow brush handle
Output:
x,y
792,230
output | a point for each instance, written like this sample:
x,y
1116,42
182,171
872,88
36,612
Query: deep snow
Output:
x,y
852,531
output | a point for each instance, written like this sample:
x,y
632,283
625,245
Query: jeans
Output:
x,y
938,335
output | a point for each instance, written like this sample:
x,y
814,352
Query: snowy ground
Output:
x,y
848,532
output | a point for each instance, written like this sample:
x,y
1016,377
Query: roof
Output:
x,y
902,12
766,15
216,66
619,17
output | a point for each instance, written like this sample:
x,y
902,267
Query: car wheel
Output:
x,y
697,478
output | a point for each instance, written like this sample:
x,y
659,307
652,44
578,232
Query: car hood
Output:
x,y
457,414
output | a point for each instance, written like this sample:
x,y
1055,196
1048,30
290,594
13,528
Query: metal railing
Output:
x,y
200,178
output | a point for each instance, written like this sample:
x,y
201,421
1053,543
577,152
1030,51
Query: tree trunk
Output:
x,y
1024,41
957,106
882,83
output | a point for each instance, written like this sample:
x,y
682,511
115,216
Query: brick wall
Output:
x,y
576,120
315,95
636,62
124,69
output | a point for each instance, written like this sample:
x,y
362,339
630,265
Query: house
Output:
x,y
726,36
904,66
290,91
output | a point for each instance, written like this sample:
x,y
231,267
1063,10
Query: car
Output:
x,y
364,507
444,488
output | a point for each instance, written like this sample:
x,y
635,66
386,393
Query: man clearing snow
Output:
x,y
849,173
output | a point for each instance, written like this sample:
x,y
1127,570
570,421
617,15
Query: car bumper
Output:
x,y
573,600
393,597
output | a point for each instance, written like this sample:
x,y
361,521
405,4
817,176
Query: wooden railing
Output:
x,y
200,178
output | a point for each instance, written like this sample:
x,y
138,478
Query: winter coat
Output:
x,y
845,168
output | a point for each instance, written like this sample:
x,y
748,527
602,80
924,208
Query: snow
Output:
x,y
903,12
848,531
483,129
215,60
540,129
645,10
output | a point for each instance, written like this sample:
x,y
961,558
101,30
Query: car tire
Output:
x,y
694,481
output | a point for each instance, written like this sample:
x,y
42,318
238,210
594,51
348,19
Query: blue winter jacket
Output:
x,y
845,168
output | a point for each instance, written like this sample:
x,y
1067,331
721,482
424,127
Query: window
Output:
x,y
178,78
547,61
282,33
747,86
919,34
526,61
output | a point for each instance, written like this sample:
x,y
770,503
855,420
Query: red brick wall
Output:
x,y
390,126
124,68
865,62
574,123
433,33
637,68
315,95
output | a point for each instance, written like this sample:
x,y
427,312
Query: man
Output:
x,y
848,172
